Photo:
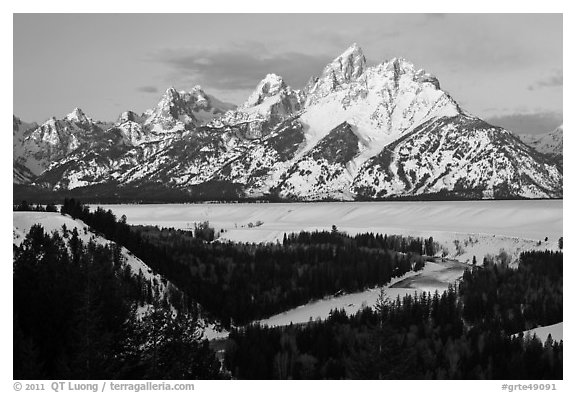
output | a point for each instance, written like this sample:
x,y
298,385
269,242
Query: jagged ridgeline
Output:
x,y
353,132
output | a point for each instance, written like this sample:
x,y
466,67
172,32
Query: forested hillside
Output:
x,y
75,317
254,281
459,334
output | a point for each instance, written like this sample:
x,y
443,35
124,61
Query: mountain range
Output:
x,y
354,132
550,144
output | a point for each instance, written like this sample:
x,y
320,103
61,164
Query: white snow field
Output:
x,y
23,221
542,332
464,228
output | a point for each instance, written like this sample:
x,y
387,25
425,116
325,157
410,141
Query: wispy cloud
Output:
x,y
554,80
528,123
436,15
147,89
240,67
338,40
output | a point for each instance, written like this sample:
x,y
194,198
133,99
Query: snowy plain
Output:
x,y
464,228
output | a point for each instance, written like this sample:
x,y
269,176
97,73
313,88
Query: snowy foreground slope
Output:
x,y
542,332
23,221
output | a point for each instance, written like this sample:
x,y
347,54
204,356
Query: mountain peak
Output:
x,y
199,94
171,96
401,62
354,50
169,99
349,65
272,78
345,68
77,116
271,85
183,109
399,66
128,116
170,93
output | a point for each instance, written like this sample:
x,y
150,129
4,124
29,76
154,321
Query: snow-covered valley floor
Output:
x,y
464,228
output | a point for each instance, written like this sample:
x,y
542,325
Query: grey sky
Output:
x,y
506,68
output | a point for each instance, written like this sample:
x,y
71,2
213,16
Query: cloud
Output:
x,y
240,67
554,80
436,15
147,89
340,39
528,123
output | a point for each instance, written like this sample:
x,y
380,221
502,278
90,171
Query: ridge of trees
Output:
x,y
25,206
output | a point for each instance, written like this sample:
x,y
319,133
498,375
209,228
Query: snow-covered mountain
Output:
x,y
461,154
271,102
550,143
39,147
21,173
129,128
181,110
355,131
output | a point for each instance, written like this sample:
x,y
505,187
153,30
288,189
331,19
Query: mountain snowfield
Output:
x,y
353,132
23,221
